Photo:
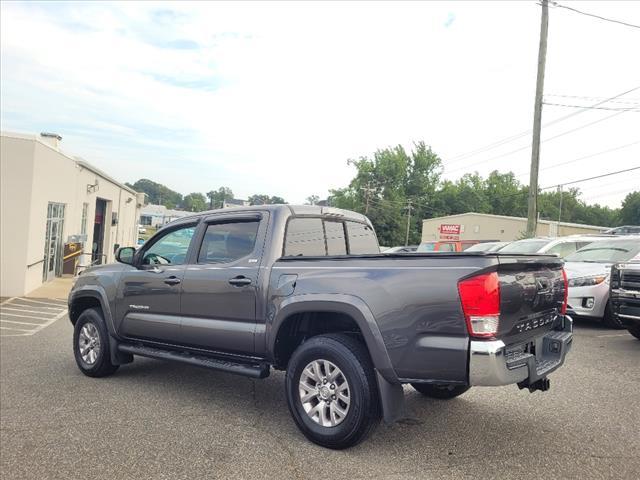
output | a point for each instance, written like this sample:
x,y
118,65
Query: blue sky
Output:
x,y
275,97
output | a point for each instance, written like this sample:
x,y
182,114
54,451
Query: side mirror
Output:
x,y
125,255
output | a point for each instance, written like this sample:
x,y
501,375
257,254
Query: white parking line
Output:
x,y
4,309
613,335
12,313
18,329
57,309
4,314
63,304
19,323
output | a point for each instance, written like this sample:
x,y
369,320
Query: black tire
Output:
x,y
634,330
610,320
352,358
441,392
101,366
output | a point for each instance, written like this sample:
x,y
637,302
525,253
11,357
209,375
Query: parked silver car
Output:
x,y
588,272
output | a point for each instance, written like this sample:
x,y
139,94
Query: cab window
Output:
x,y
171,248
228,242
304,238
336,242
362,239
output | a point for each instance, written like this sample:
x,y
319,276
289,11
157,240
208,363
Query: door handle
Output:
x,y
240,281
172,281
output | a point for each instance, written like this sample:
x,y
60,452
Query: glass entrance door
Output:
x,y
53,241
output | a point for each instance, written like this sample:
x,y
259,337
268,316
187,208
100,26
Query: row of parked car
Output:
x,y
603,271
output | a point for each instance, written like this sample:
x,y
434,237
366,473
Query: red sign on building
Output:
x,y
448,229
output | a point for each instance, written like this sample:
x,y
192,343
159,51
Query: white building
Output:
x,y
484,226
158,215
57,212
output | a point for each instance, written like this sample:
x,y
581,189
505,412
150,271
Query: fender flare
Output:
x,y
349,305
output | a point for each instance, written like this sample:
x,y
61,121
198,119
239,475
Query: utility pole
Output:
x,y
559,209
406,241
367,192
532,213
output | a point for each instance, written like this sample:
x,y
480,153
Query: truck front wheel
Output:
x,y
91,344
441,392
332,392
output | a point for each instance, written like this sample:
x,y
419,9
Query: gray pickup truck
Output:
x,y
304,289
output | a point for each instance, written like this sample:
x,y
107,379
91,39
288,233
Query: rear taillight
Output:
x,y
563,309
480,297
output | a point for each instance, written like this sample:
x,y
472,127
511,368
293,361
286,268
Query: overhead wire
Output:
x,y
527,132
556,4
623,109
584,157
529,146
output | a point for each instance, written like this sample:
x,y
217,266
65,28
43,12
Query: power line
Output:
x,y
592,178
527,132
529,146
591,155
632,101
556,4
628,109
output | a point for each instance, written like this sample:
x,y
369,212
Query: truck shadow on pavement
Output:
x,y
442,426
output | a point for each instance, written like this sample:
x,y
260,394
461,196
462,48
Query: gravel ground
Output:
x,y
158,420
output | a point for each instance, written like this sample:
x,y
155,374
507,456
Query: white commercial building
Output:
x,y
158,215
57,212
483,226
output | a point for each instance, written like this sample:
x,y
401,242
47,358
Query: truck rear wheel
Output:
x,y
332,392
441,392
634,330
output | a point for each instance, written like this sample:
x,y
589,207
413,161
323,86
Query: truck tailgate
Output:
x,y
532,291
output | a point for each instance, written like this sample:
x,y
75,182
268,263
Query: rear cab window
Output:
x,y
313,236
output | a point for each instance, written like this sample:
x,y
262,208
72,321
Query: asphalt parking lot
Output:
x,y
159,420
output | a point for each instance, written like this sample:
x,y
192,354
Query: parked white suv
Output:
x,y
588,271
561,246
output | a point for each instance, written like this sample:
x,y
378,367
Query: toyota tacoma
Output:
x,y
304,289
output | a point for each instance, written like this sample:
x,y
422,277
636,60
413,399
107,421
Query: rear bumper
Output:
x,y
491,363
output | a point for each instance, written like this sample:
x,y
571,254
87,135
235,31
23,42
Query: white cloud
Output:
x,y
278,95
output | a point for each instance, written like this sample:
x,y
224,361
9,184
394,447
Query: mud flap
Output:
x,y
391,399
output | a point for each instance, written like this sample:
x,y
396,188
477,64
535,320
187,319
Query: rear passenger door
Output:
x,y
219,290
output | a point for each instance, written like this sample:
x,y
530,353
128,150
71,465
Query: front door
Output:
x,y
99,225
148,301
219,288
53,241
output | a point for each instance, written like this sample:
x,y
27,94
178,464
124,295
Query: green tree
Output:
x,y
217,197
194,202
383,185
630,211
312,199
262,199
157,194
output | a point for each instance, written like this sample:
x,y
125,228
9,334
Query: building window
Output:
x,y
83,224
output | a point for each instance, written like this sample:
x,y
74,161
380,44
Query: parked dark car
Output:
x,y
624,230
625,295
305,289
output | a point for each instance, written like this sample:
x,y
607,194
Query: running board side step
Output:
x,y
254,370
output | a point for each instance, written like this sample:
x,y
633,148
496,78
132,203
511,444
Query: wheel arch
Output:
x,y
324,314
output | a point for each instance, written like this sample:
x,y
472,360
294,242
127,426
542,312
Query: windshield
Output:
x,y
525,246
481,247
606,252
426,247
